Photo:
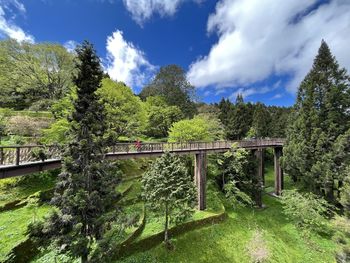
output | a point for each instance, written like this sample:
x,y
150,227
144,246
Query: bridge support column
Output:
x,y
278,171
259,178
200,177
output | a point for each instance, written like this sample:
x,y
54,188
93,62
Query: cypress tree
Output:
x,y
85,190
320,117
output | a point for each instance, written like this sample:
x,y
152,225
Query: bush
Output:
x,y
26,126
307,210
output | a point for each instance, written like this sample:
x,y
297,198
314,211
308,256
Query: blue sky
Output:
x,y
261,49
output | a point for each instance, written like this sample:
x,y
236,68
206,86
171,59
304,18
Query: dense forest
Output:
x,y
52,96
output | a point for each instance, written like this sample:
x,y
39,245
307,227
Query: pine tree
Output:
x,y
239,120
320,117
261,120
169,190
85,190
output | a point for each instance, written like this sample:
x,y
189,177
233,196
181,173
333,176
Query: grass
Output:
x,y
228,241
155,223
13,226
13,189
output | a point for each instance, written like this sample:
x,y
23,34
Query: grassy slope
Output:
x,y
11,189
13,225
226,242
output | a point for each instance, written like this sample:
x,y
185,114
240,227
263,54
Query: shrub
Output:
x,y
26,126
307,210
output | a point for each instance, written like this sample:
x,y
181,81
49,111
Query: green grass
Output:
x,y
226,242
270,179
12,189
13,225
155,223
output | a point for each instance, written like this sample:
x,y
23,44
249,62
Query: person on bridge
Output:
x,y
138,145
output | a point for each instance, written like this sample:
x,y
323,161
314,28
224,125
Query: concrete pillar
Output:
x,y
258,181
200,177
278,171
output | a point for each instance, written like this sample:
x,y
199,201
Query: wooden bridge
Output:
x,y
24,159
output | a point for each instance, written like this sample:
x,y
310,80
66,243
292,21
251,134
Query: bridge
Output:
x,y
24,159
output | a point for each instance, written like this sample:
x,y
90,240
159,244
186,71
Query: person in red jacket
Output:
x,y
138,145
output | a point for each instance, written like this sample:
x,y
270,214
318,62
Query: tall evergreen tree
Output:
x,y
239,120
321,115
86,189
261,120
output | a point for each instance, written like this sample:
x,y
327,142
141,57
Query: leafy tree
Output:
x,y
306,209
33,74
318,125
169,190
171,83
239,170
196,129
124,112
85,190
160,116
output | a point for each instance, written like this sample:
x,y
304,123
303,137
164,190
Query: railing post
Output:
x,y
1,156
18,153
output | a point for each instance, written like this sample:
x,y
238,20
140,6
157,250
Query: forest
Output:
x,y
145,210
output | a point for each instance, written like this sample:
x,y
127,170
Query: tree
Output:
x,y
238,120
238,179
261,121
196,129
160,116
169,190
85,190
33,75
171,83
125,114
345,193
319,122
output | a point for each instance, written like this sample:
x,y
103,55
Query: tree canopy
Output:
x,y
318,136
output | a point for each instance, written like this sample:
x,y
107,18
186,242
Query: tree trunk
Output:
x,y
166,237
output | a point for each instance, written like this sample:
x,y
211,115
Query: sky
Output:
x,y
260,49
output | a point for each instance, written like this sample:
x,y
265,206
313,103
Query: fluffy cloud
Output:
x,y
142,10
127,63
257,39
8,12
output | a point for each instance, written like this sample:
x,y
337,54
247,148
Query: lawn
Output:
x,y
13,226
227,241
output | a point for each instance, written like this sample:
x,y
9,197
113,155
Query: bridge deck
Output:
x,y
20,160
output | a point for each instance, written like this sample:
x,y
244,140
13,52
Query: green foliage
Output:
x,y
345,192
26,126
235,196
171,84
86,187
238,168
169,190
317,150
124,112
160,116
307,210
33,74
57,133
200,128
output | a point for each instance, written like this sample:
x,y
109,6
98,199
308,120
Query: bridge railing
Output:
x,y
15,155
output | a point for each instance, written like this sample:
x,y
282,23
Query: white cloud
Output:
x,y
142,10
127,63
260,38
70,45
8,11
